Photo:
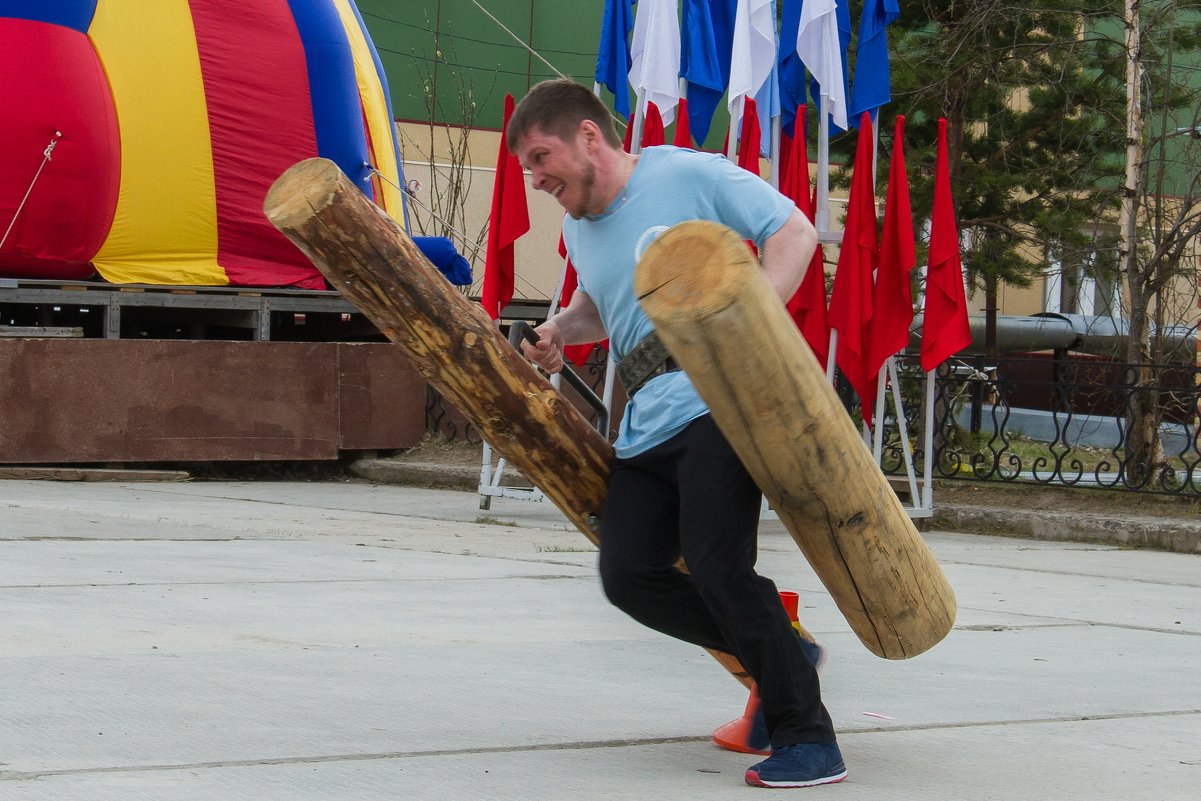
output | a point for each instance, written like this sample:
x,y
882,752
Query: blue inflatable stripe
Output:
x,y
75,14
383,80
337,114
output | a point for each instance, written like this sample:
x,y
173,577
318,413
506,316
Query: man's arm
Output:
x,y
787,253
579,322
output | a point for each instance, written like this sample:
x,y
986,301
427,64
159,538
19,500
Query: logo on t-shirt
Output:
x,y
644,241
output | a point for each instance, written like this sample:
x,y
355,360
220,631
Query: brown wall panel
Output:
x,y
92,400
382,402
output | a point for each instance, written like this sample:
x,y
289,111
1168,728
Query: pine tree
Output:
x,y
1031,104
1036,95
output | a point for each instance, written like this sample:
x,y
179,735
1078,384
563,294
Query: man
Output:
x,y
677,488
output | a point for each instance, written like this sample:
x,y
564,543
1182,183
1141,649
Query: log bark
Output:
x,y
722,322
366,256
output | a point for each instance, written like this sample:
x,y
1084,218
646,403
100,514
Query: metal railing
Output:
x,y
1051,420
1059,420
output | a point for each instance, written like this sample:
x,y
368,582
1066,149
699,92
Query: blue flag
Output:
x,y
872,87
613,52
789,66
843,11
767,102
707,38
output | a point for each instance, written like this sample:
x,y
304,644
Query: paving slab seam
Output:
x,y
292,502
244,763
533,560
1075,574
286,582
1068,624
20,776
1081,622
140,539
983,724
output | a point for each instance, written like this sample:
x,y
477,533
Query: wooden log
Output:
x,y
365,255
722,322
450,340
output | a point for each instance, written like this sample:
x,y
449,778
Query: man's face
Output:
x,y
563,169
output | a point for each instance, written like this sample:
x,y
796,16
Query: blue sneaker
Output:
x,y
801,765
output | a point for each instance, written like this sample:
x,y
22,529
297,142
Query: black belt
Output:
x,y
646,360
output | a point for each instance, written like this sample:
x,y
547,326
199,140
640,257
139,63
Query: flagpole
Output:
x,y
776,130
832,356
882,375
875,148
556,379
635,148
878,413
639,122
903,431
928,466
735,130
822,212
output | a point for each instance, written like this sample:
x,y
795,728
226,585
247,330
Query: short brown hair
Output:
x,y
557,107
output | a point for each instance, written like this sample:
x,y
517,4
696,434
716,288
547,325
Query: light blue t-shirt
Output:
x,y
669,185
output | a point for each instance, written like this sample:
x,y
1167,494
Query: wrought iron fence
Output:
x,y
1053,420
446,421
1056,420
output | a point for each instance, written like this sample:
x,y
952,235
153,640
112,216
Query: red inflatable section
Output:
x,y
53,82
261,122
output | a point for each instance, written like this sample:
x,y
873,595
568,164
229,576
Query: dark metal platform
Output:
x,y
114,311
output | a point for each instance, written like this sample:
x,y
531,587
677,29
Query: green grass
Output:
x,y
1029,451
489,520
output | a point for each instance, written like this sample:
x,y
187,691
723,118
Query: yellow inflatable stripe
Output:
x,y
165,227
380,126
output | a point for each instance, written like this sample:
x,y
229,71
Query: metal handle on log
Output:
x,y
522,330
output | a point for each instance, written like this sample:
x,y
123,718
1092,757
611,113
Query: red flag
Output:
x,y
851,298
748,145
892,300
945,329
748,155
652,129
509,220
683,136
808,305
577,354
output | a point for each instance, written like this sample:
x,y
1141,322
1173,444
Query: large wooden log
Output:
x,y
722,322
366,256
453,344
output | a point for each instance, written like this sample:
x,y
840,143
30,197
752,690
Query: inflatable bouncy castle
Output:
x,y
138,138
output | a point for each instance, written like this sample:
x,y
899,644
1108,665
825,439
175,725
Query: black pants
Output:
x,y
691,496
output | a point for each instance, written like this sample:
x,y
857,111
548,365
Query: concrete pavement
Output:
x,y
1008,516
351,641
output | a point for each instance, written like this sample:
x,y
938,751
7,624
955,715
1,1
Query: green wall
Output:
x,y
454,49
449,50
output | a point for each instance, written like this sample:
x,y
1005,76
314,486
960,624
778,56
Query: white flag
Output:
x,y
817,46
655,55
754,51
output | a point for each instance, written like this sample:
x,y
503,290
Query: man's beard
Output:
x,y
587,185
